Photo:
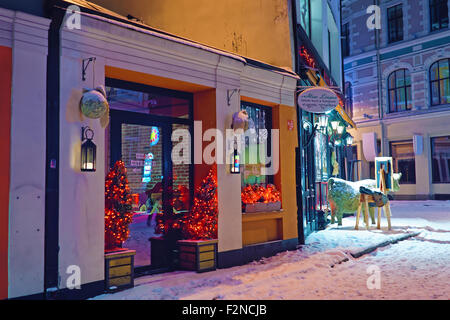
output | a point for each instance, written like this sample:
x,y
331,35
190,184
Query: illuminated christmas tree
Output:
x,y
118,208
201,222
178,197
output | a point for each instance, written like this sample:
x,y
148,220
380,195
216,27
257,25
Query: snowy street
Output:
x,y
416,268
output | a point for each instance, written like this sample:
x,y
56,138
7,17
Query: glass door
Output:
x,y
142,153
307,169
143,120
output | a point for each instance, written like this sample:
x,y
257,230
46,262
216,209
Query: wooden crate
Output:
x,y
198,255
119,269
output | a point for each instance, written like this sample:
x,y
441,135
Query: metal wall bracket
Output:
x,y
230,94
85,66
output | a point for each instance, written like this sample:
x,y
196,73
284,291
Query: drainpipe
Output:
x,y
379,86
299,149
51,251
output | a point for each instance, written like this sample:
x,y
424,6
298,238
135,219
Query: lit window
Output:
x,y
260,119
440,147
403,156
395,23
440,82
438,14
399,90
304,16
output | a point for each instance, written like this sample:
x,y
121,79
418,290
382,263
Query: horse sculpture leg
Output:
x,y
387,210
358,213
366,212
379,218
372,214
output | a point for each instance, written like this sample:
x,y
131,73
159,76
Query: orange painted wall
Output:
x,y
204,111
258,29
5,133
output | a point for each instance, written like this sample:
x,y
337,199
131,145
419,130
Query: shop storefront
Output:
x,y
156,86
143,120
324,140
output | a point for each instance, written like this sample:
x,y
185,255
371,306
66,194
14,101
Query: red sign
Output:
x,y
290,125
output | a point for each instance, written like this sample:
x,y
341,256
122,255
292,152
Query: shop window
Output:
x,y
399,91
155,103
321,157
440,147
260,119
395,23
440,82
304,16
438,14
403,156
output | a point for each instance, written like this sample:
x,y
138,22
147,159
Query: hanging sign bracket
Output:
x,y
85,66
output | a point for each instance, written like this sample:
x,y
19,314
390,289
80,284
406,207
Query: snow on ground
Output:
x,y
418,268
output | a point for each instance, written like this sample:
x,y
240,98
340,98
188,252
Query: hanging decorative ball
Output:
x,y
93,103
240,120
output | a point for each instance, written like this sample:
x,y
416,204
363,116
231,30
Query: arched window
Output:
x,y
399,90
440,82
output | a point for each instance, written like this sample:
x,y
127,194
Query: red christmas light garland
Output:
x,y
118,207
201,223
258,193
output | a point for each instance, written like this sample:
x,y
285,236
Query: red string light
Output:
x,y
258,193
201,222
118,213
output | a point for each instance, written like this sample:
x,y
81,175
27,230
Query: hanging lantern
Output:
x,y
340,129
323,122
334,125
349,140
88,150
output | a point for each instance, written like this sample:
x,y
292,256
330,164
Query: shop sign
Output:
x,y
290,125
318,100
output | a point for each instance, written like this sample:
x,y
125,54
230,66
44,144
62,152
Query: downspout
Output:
x,y
344,153
51,254
379,85
299,149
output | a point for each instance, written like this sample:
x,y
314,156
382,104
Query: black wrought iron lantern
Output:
x,y
88,150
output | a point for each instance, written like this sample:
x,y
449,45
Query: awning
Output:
x,y
339,108
345,116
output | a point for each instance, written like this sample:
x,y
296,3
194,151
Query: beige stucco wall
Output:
x,y
398,129
258,29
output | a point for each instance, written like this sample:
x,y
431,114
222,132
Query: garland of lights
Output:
x,y
201,223
258,193
118,214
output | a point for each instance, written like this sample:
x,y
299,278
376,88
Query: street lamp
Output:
x,y
349,140
323,122
340,129
334,125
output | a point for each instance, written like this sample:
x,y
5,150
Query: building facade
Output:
x,y
398,85
322,137
141,68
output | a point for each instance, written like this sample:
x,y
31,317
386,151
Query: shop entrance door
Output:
x,y
305,171
158,185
